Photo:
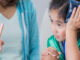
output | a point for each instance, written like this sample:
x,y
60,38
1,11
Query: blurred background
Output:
x,y
43,21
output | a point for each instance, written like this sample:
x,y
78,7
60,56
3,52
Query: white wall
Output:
x,y
43,21
41,6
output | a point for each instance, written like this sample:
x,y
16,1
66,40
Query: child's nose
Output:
x,y
54,30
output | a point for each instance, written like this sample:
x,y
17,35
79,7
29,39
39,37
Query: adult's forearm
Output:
x,y
72,51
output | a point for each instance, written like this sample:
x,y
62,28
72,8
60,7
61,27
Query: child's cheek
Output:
x,y
62,34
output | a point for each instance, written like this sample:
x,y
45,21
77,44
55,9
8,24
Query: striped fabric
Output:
x,y
73,4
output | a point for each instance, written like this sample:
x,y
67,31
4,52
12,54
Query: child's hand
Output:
x,y
74,22
50,54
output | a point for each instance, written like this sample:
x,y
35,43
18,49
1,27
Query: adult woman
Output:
x,y
20,32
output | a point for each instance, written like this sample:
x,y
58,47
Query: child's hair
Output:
x,y
77,0
61,5
6,3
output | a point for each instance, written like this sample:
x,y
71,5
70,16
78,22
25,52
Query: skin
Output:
x,y
47,54
65,33
59,29
58,26
8,12
71,43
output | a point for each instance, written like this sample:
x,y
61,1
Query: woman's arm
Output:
x,y
72,51
34,35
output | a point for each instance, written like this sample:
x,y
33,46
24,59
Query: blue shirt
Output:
x,y
72,4
29,28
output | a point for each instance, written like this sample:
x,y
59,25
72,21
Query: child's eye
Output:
x,y
59,24
51,20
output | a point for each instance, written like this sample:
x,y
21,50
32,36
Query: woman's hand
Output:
x,y
73,25
1,42
74,21
50,54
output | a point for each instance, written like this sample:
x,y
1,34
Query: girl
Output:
x,y
20,32
62,32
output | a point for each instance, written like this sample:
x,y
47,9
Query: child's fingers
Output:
x,y
50,53
52,48
53,51
73,13
45,53
59,53
56,56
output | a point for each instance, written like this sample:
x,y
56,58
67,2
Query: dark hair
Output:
x,y
61,5
77,0
6,3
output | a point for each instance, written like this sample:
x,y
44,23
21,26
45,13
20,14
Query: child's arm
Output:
x,y
72,51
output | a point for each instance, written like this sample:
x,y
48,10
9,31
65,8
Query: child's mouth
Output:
x,y
57,37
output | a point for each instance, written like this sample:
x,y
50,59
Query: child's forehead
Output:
x,y
56,16
60,19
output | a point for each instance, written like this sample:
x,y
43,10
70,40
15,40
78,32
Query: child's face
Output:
x,y
58,25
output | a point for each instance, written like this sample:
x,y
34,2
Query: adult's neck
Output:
x,y
8,12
